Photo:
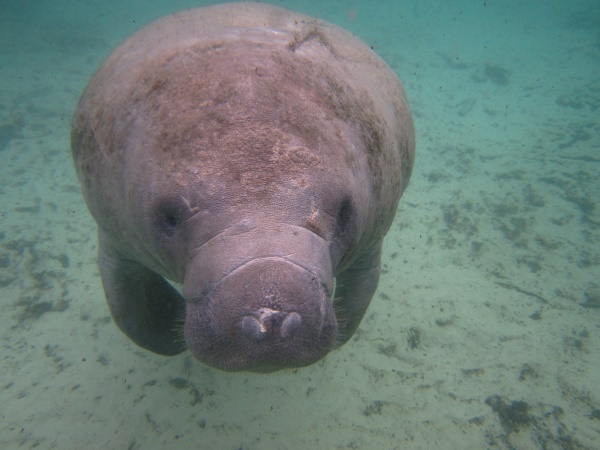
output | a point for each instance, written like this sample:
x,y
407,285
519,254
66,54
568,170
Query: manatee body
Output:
x,y
256,156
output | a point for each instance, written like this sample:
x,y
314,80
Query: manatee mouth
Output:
x,y
266,315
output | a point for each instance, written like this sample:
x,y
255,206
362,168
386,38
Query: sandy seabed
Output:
x,y
485,329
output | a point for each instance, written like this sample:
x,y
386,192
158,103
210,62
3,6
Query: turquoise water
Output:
x,y
485,330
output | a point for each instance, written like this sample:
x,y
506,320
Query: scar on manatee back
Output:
x,y
313,33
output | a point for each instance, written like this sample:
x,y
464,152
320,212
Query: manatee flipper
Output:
x,y
142,303
355,287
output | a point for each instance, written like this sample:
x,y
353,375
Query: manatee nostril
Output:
x,y
290,324
253,329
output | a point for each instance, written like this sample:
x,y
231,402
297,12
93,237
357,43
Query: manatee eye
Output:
x,y
168,218
170,221
167,223
345,214
345,230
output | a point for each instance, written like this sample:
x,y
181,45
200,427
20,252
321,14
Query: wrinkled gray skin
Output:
x,y
254,155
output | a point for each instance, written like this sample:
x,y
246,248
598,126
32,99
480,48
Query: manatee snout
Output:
x,y
269,314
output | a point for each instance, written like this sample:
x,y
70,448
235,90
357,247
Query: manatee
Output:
x,y
243,163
